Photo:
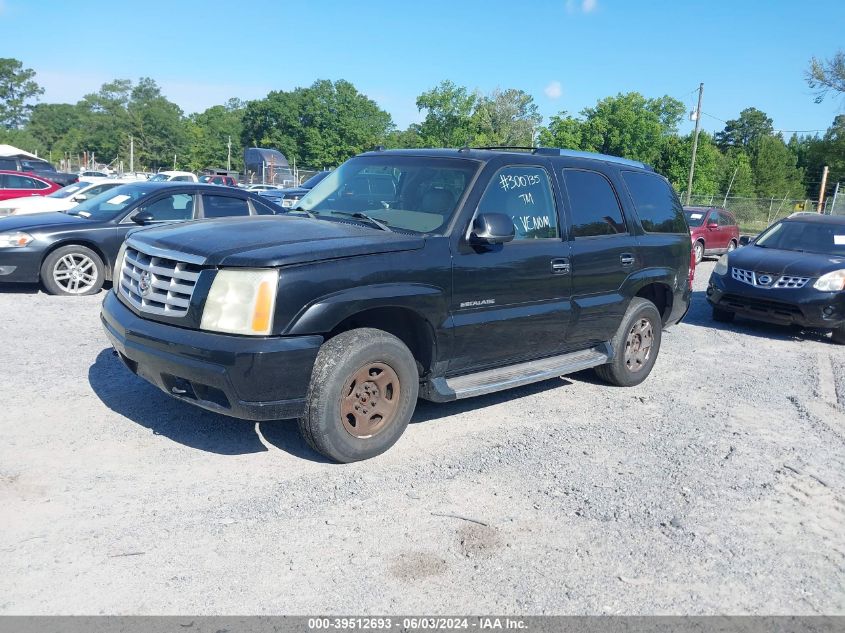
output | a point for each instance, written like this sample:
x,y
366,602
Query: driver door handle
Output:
x,y
560,266
627,259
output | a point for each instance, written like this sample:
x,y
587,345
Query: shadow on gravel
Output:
x,y
700,315
137,400
426,410
20,289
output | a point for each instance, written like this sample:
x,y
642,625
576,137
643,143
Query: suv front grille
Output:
x,y
157,285
753,279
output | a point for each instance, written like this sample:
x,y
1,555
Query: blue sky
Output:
x,y
566,53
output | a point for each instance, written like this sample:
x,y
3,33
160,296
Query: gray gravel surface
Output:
x,y
715,487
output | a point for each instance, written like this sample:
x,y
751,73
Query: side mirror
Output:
x,y
143,217
745,240
491,228
712,225
80,198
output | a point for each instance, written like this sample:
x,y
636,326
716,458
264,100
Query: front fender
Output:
x,y
325,313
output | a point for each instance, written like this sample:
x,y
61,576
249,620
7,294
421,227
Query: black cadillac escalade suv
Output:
x,y
439,274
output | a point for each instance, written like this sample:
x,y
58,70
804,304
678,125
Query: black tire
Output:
x,y
723,316
839,335
73,271
623,370
698,249
338,363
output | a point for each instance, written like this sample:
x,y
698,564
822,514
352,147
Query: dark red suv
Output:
x,y
713,231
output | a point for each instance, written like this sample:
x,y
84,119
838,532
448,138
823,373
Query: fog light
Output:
x,y
828,311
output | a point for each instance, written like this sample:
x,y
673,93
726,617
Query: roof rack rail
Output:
x,y
573,153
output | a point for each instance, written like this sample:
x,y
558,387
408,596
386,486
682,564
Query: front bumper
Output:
x,y
806,306
244,377
20,265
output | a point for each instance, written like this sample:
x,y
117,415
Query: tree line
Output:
x,y
324,124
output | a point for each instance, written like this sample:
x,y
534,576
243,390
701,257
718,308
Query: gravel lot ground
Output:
x,y
715,487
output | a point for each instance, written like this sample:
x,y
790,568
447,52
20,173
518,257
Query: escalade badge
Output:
x,y
145,283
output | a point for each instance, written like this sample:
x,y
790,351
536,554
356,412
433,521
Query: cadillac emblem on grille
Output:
x,y
145,283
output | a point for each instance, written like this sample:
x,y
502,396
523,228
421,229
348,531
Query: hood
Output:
x,y
264,241
41,221
781,262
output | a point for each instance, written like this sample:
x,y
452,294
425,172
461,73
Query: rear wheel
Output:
x,y
698,249
72,271
363,392
722,316
635,345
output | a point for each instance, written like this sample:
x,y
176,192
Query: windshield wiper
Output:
x,y
310,214
363,216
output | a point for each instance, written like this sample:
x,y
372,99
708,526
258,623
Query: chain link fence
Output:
x,y
755,214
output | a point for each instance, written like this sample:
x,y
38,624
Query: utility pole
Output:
x,y
229,155
695,141
821,189
132,154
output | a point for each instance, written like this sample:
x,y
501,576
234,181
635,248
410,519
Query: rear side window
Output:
x,y
8,163
261,208
725,219
224,206
11,181
593,204
657,205
524,194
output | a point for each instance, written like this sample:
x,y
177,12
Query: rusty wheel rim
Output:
x,y
638,345
369,400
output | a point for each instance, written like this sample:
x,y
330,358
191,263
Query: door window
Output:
x,y
22,182
659,209
524,194
725,219
223,206
178,206
593,203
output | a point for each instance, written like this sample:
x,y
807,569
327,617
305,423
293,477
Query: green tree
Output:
x,y
448,119
105,125
674,163
208,134
775,170
52,123
318,126
156,124
744,132
17,88
827,75
506,117
737,175
564,131
630,125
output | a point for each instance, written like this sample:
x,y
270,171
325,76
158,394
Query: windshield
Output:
x,y
67,192
110,203
808,237
407,193
695,218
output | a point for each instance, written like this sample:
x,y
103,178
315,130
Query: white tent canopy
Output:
x,y
9,150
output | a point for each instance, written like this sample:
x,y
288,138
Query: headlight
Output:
x,y
15,240
831,282
721,267
118,265
241,302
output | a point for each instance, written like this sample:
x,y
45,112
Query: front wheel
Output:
x,y
73,270
362,394
635,345
698,249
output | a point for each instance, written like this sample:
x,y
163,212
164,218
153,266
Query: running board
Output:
x,y
480,383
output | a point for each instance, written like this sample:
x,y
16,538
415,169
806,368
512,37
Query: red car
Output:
x,y
218,179
14,184
713,230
